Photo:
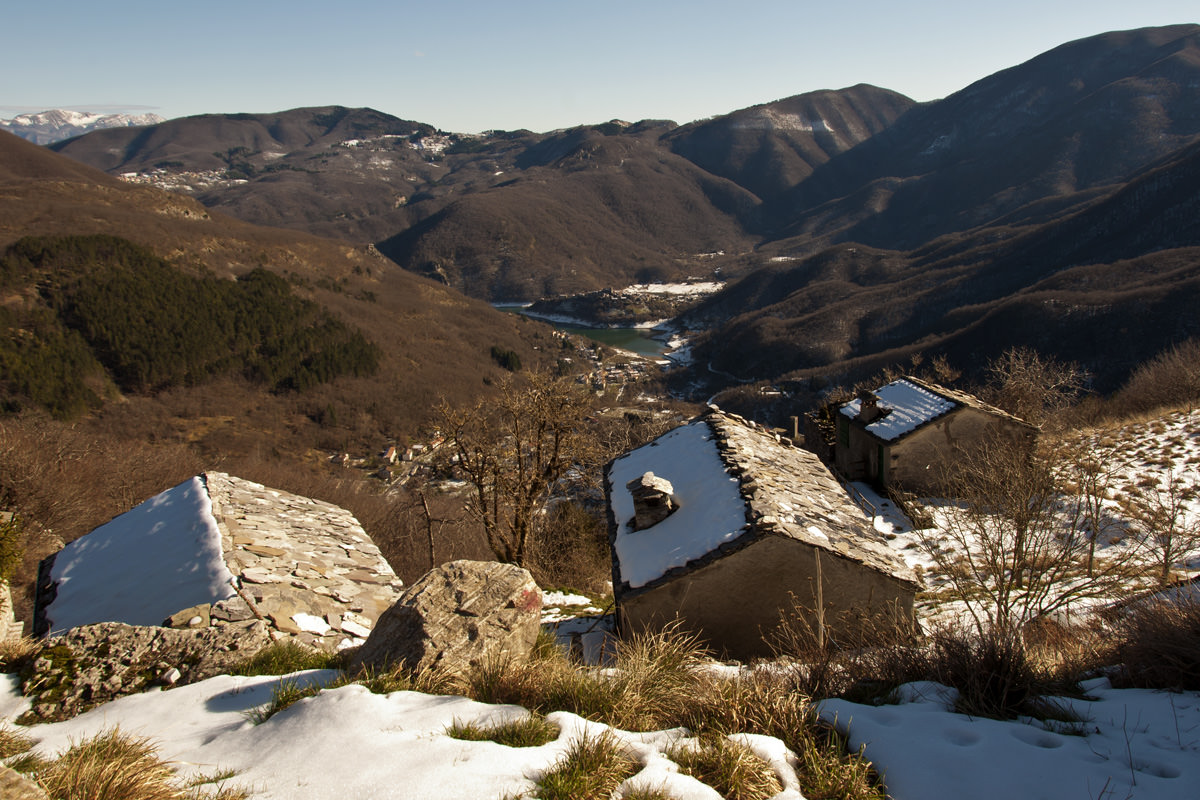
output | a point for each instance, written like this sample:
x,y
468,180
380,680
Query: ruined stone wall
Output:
x,y
737,601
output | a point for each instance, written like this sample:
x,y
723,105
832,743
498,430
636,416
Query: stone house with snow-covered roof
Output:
x,y
736,531
907,433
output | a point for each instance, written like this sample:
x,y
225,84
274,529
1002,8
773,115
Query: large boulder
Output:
x,y
92,664
460,614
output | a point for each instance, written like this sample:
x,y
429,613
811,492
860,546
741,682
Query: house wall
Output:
x,y
733,602
857,454
919,461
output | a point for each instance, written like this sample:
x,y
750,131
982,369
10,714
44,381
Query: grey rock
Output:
x,y
460,614
9,627
233,609
92,664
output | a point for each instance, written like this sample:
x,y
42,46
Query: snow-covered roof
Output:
x,y
305,566
910,407
711,512
142,567
726,472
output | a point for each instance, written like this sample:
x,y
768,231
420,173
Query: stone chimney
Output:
x,y
652,501
868,407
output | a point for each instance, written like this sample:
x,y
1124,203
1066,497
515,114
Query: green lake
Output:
x,y
637,340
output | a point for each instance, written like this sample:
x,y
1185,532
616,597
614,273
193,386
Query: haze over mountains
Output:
x,y
1052,204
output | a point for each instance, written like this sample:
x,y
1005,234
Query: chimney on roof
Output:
x,y
652,500
868,407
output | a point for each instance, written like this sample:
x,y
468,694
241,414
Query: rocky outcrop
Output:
x,y
92,664
460,614
15,786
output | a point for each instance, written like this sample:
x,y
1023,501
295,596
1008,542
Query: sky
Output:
x,y
474,65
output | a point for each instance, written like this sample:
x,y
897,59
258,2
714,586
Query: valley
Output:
x,y
450,348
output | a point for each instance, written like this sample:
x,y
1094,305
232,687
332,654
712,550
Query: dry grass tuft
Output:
x,y
531,730
109,766
13,741
15,652
1160,645
591,770
729,767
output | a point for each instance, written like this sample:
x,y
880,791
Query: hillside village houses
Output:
x,y
732,531
906,433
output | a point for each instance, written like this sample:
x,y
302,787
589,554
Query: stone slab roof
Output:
x,y
913,403
304,565
909,406
757,485
790,492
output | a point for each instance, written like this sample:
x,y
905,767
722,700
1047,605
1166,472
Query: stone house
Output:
x,y
737,531
218,550
907,433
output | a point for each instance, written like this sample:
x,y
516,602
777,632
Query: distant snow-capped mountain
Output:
x,y
57,124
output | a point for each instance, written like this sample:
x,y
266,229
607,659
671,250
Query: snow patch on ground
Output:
x,y
1136,743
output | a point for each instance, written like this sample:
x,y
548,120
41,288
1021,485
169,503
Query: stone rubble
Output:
x,y
93,664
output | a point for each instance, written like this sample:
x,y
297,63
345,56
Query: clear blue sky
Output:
x,y
471,65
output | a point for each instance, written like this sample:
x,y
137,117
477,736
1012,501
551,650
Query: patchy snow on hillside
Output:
x,y
694,289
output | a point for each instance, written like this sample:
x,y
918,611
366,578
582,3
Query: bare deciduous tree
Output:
x,y
513,448
1168,531
1015,545
1032,386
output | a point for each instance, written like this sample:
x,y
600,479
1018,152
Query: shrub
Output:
x,y
1160,644
12,546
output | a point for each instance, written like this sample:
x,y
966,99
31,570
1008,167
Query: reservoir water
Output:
x,y
637,340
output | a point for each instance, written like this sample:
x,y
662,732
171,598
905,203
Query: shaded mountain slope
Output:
x,y
770,148
433,341
1124,266
588,210
1087,114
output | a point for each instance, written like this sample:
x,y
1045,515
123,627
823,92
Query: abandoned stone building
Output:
x,y
908,433
737,531
218,550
